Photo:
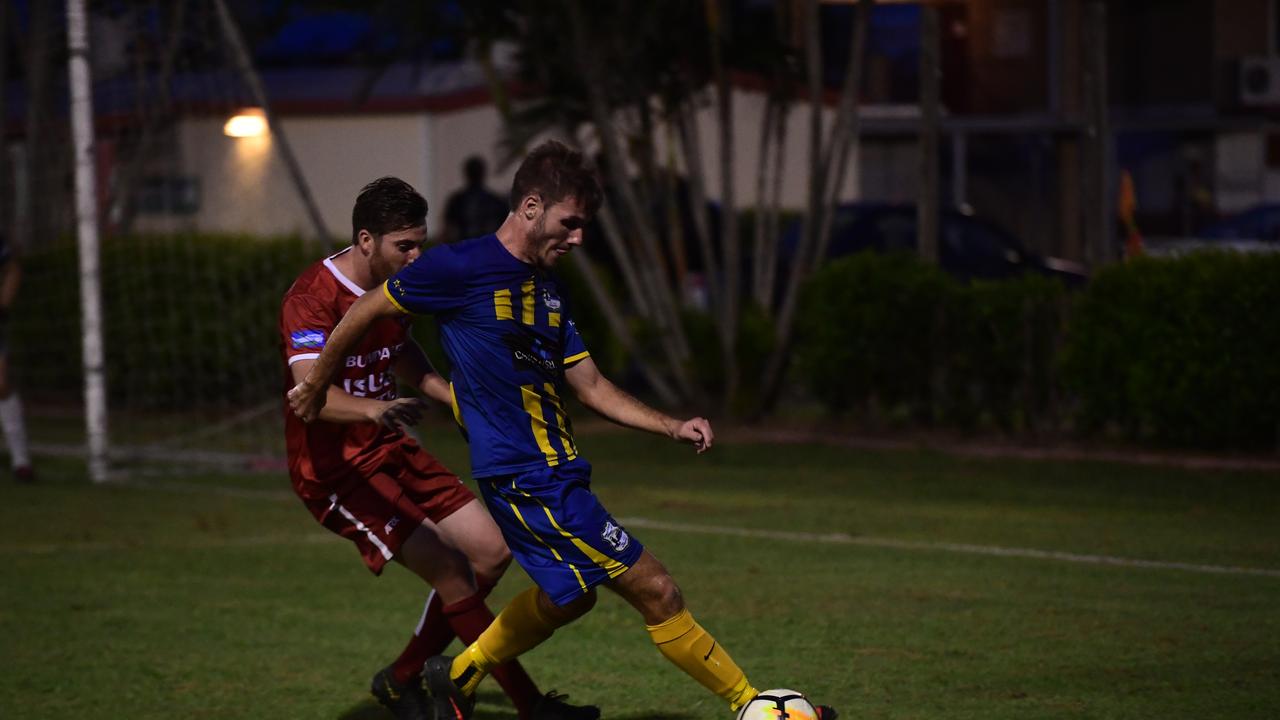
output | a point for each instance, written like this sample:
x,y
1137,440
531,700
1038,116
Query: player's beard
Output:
x,y
380,266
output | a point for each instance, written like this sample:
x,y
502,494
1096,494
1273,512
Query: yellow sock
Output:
x,y
519,627
683,641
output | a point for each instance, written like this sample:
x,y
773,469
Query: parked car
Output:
x,y
1260,222
968,247
1254,230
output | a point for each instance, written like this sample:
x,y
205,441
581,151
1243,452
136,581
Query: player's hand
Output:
x,y
404,412
696,431
307,400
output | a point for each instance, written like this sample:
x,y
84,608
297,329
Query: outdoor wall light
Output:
x,y
250,122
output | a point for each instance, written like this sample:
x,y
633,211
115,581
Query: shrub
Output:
x,y
1180,351
870,333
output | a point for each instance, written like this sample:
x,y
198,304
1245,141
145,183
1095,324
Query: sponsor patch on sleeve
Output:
x,y
307,339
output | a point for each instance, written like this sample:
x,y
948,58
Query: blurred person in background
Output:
x,y
11,420
364,478
473,210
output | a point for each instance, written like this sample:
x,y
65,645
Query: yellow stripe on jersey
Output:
x,y
553,319
545,544
387,291
526,297
562,422
608,564
575,358
502,304
533,406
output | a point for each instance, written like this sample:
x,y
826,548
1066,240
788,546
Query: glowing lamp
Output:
x,y
251,122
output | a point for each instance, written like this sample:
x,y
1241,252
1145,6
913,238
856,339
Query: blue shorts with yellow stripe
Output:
x,y
557,529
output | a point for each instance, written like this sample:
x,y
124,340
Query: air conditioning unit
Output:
x,y
1260,81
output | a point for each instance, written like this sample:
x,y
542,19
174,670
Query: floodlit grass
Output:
x,y
205,596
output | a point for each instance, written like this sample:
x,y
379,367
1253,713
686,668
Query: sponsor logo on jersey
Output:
x,y
528,353
391,525
615,536
380,385
373,356
307,339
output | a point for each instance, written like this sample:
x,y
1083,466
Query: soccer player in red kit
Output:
x,y
364,478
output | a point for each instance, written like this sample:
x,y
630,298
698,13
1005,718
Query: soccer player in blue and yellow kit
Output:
x,y
507,331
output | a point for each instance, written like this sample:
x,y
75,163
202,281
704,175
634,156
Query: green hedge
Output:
x,y
1183,351
188,320
191,320
871,334
1174,351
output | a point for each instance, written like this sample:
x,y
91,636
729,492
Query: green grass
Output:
x,y
206,596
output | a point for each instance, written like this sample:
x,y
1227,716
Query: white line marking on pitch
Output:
x,y
992,550
640,522
197,544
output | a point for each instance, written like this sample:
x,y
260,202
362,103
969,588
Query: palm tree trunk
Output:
x,y
618,324
691,147
826,176
730,250
759,290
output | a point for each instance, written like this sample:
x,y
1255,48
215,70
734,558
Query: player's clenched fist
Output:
x,y
306,400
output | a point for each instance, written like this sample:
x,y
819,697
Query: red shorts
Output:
x,y
378,515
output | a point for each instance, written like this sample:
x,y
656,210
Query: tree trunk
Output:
x,y
825,179
845,131
760,292
769,274
691,147
730,249
618,324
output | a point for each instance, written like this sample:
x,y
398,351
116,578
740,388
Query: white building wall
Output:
x,y
245,186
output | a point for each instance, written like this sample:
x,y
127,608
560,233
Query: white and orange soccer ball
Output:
x,y
780,704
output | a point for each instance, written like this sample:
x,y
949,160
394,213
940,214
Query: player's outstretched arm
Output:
x,y
599,394
308,397
343,407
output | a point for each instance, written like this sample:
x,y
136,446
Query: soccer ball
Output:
x,y
781,704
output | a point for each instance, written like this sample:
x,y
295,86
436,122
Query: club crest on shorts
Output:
x,y
615,536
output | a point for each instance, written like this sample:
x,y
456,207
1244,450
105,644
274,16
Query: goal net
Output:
x,y
191,276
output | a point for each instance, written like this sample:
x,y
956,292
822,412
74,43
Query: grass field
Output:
x,y
870,580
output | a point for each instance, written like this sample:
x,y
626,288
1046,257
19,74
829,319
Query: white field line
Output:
x,y
640,522
198,544
964,548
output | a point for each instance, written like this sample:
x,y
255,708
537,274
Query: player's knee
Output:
x,y
669,597
579,607
492,563
561,615
661,597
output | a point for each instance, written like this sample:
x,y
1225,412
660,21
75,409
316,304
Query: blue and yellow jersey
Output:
x,y
507,332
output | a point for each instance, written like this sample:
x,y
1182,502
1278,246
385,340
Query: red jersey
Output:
x,y
324,457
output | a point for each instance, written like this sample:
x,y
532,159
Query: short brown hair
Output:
x,y
554,171
386,205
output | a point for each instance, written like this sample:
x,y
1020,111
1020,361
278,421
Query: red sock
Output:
x,y
431,637
469,618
